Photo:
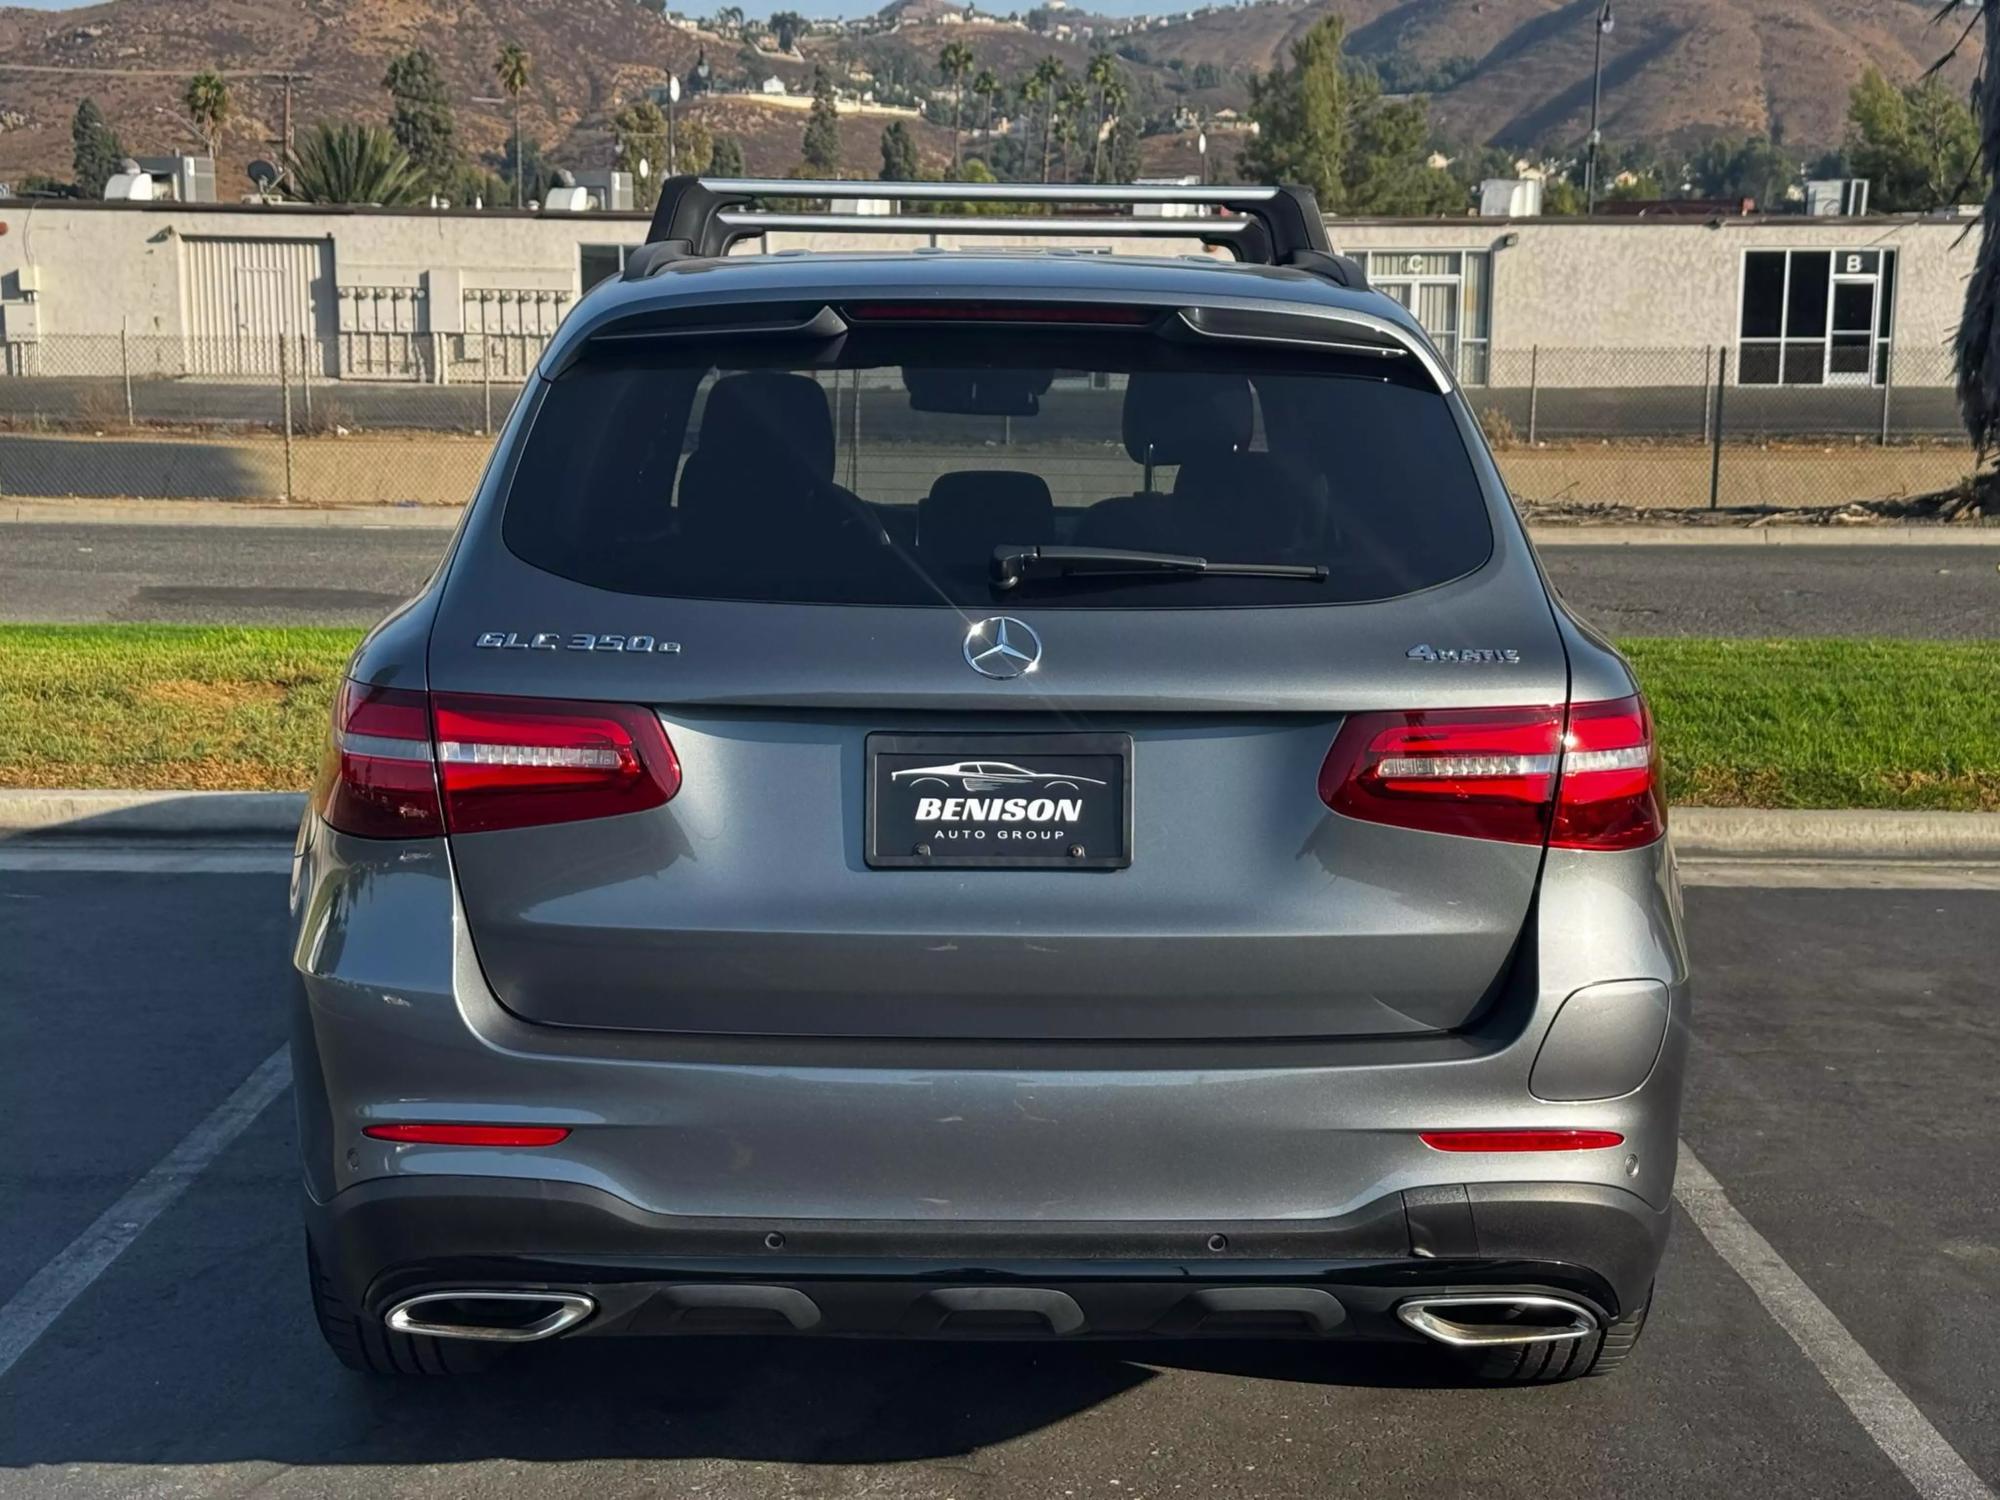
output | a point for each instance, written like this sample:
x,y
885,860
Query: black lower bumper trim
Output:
x,y
659,1273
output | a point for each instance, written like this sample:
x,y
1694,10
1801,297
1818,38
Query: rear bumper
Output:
x,y
651,1273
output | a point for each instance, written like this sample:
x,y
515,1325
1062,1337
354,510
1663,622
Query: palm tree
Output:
x,y
1101,75
354,164
1978,345
954,62
1047,81
510,68
206,99
1116,97
986,88
1075,107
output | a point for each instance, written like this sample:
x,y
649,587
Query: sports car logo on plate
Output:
x,y
1002,647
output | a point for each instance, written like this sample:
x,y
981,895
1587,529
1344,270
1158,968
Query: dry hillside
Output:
x,y
1518,71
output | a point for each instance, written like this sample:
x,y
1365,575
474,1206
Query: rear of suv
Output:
x,y
951,794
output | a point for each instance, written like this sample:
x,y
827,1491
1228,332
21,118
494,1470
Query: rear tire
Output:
x,y
1551,1363
367,1344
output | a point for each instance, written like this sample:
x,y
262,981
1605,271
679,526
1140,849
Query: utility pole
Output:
x,y
1604,25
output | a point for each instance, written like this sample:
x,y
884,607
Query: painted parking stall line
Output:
x,y
1932,1466
51,1290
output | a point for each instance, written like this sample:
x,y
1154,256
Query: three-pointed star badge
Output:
x,y
1002,647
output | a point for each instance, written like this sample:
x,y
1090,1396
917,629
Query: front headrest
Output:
x,y
1180,417
767,419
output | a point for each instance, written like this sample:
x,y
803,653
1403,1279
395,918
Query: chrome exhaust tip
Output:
x,y
1497,1319
494,1316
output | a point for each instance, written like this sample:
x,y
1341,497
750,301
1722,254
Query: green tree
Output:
x,y
786,26
1755,167
821,146
1207,75
510,71
954,62
1072,120
1122,163
899,153
1560,195
354,164
640,133
1917,145
694,147
95,151
1326,125
420,117
727,158
206,100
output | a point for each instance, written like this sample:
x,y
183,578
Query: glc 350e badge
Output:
x,y
557,640
1002,647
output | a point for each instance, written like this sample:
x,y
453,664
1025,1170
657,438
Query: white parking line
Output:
x,y
1900,1430
51,1290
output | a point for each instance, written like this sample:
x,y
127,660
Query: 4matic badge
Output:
x,y
556,640
1467,656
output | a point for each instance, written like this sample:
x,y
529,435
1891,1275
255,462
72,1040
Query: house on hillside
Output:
x,y
773,85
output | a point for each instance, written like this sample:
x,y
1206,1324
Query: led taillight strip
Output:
x,y
407,764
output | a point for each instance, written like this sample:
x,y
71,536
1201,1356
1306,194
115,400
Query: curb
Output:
x,y
1699,832
1766,536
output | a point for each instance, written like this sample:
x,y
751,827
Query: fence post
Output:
x,y
285,381
125,368
1707,392
486,378
1888,380
305,375
1715,440
1534,391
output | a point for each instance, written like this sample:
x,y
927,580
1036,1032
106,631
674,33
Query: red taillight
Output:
x,y
406,764
521,762
1610,795
1520,1140
377,779
1588,779
1485,773
469,1135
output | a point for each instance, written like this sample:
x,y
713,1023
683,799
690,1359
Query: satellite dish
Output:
x,y
262,173
673,88
644,169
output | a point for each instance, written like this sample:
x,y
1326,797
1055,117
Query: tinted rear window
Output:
x,y
887,469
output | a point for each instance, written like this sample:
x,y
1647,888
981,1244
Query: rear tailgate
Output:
x,y
747,905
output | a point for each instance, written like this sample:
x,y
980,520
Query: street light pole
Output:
x,y
1604,24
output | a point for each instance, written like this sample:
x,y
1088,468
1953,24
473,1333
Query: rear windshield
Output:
x,y
886,469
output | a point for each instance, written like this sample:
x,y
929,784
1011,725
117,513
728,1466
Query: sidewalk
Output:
x,y
444,517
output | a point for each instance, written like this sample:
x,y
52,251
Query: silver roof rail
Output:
x,y
702,217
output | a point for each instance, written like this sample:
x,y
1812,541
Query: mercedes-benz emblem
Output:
x,y
1002,647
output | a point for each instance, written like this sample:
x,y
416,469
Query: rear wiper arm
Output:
x,y
1014,565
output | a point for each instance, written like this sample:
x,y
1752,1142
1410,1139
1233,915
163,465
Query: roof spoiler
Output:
x,y
701,217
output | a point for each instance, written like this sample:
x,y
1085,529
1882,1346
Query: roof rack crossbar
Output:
x,y
702,217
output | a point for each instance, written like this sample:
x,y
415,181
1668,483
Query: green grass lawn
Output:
x,y
1863,723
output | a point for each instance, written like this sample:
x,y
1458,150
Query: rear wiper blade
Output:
x,y
1015,565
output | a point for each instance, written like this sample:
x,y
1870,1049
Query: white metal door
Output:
x,y
245,295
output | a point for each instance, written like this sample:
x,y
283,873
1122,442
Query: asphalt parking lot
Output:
x,y
1844,1089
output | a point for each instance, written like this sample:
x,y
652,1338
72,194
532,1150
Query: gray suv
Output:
x,y
988,795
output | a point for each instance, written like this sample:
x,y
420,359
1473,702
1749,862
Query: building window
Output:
x,y
600,263
1816,317
1450,293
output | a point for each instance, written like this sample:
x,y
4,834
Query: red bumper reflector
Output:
x,y
1520,1140
469,1135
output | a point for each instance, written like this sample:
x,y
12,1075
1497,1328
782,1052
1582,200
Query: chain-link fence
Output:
x,y
407,417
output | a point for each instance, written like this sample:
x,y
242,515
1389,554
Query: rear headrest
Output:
x,y
971,511
766,420
1186,416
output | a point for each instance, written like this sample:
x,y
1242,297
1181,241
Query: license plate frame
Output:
x,y
1105,758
